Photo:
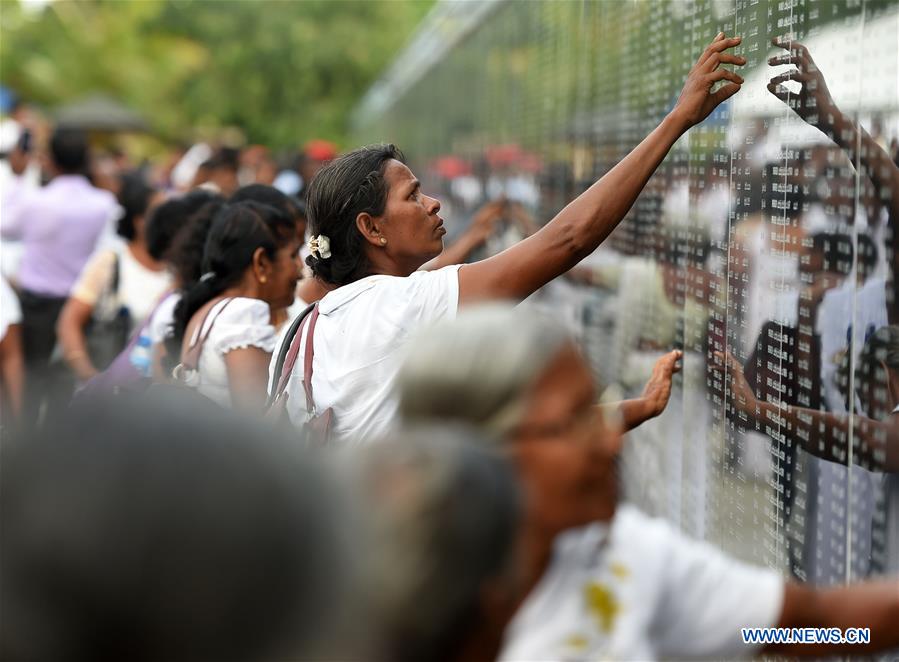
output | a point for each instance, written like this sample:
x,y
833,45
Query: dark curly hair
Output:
x,y
185,256
169,217
269,195
348,186
69,150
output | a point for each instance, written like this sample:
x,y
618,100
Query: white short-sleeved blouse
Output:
x,y
359,343
241,323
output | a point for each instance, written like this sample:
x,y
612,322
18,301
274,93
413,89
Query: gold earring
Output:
x,y
383,240
262,279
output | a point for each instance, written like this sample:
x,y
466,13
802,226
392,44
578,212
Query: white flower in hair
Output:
x,y
320,246
324,246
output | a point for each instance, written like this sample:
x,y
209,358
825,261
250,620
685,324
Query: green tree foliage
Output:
x,y
283,71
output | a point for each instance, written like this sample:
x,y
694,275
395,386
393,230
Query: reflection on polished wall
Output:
x,y
764,246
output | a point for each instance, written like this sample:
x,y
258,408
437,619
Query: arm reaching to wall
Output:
x,y
582,225
656,393
873,605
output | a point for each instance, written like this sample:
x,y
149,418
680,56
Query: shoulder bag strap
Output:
x,y
116,275
190,358
108,300
307,361
287,356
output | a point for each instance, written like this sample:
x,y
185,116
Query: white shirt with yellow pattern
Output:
x,y
640,590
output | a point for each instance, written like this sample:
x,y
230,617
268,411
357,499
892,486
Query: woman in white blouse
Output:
x,y
373,229
223,328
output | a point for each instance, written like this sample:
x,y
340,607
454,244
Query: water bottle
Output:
x,y
142,355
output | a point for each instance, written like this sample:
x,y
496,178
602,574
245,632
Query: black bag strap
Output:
x,y
116,274
277,384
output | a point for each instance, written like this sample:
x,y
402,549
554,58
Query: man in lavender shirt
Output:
x,y
59,226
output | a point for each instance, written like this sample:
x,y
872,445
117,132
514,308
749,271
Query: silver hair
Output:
x,y
444,513
479,367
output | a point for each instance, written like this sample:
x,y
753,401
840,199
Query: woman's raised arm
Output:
x,y
579,228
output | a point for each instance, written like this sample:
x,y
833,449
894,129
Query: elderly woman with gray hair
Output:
x,y
605,581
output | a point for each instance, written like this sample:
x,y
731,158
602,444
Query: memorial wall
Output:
x,y
764,247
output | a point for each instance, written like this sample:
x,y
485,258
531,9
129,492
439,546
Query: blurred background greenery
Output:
x,y
276,72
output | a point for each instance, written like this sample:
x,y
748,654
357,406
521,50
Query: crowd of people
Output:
x,y
276,418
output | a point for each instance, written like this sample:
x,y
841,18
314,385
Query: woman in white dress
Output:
x,y
223,328
132,278
373,228
192,214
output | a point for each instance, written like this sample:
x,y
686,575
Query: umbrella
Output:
x,y
100,113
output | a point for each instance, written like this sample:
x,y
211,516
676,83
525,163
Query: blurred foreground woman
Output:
x,y
443,576
606,581
166,531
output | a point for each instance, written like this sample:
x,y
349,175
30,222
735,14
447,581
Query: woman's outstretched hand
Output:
x,y
657,391
697,101
586,221
654,399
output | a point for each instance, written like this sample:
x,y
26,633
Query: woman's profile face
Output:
x,y
565,451
410,224
285,272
